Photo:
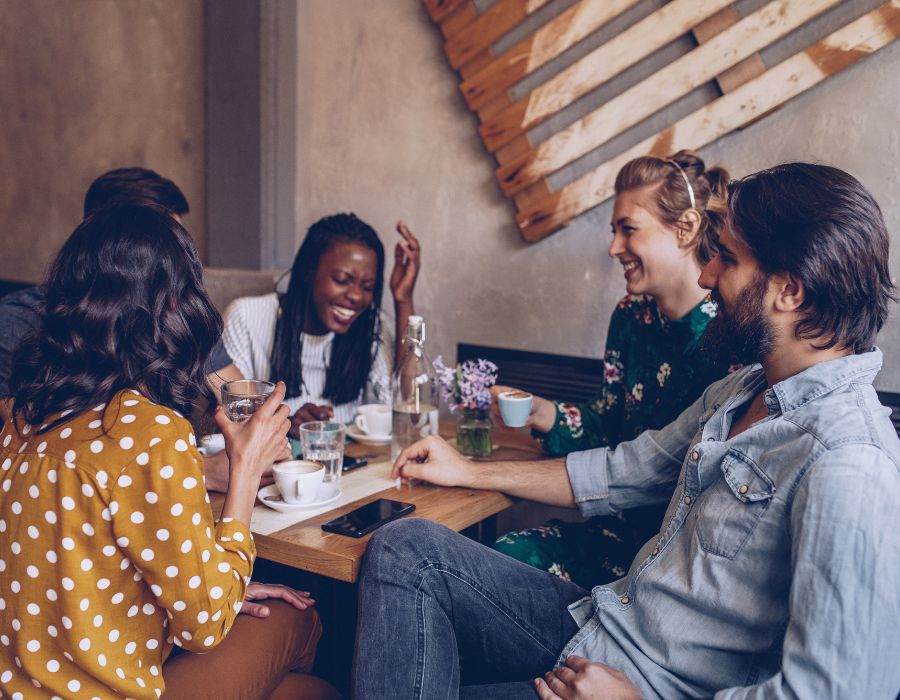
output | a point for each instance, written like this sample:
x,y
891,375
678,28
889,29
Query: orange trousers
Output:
x,y
260,658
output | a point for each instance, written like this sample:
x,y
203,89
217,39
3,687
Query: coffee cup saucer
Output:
x,y
366,439
271,497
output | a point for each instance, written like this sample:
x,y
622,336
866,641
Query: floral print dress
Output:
x,y
653,370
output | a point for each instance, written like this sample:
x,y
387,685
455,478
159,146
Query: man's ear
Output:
x,y
790,293
688,227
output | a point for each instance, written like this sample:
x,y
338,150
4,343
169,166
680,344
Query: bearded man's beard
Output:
x,y
742,334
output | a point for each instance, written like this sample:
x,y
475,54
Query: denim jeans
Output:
x,y
432,602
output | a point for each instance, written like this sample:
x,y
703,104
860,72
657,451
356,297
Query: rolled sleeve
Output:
x,y
589,479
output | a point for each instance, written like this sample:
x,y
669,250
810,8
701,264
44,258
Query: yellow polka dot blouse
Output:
x,y
109,553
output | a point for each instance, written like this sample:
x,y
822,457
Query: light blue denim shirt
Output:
x,y
777,570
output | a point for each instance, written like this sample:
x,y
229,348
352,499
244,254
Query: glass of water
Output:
x,y
242,397
323,442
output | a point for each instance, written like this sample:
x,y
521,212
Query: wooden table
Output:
x,y
305,546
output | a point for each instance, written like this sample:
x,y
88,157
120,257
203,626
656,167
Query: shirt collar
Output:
x,y
819,380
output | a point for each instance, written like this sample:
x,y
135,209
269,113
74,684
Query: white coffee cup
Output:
x,y
374,419
515,407
212,444
298,480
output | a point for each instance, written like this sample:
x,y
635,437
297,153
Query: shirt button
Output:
x,y
625,600
710,439
687,500
744,488
655,551
695,455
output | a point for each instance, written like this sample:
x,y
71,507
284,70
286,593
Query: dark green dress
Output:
x,y
653,370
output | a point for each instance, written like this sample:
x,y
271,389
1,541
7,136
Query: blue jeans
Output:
x,y
432,601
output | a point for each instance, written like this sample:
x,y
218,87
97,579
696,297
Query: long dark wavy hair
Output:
x,y
125,309
353,352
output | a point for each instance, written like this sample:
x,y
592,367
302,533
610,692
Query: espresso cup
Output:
x,y
515,407
374,419
298,480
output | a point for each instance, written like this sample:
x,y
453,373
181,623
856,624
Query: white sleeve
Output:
x,y
237,338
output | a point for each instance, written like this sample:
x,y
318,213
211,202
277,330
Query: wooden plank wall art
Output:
x,y
727,52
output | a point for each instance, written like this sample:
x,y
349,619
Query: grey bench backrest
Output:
x,y
559,377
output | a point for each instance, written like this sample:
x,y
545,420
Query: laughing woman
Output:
x,y
324,337
665,223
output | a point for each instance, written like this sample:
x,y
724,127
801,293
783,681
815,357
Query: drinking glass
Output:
x,y
242,397
323,442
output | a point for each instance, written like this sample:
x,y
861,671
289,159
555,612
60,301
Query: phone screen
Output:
x,y
366,518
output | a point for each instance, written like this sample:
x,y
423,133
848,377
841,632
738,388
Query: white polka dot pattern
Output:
x,y
88,498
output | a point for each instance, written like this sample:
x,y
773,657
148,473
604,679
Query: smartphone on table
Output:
x,y
351,463
365,519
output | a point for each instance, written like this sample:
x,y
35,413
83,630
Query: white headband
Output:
x,y
686,182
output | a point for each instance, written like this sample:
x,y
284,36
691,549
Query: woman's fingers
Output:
x,y
254,609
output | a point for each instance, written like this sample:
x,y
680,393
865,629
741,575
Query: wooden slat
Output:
x,y
548,42
775,87
607,61
461,17
438,10
484,31
740,72
662,88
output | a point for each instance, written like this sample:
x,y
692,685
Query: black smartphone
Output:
x,y
354,462
366,518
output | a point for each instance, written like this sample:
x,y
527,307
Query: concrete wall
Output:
x,y
384,132
86,86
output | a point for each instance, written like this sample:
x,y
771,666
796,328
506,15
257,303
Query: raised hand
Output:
x,y
253,445
407,262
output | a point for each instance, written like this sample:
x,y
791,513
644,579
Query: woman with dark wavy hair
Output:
x,y
324,337
108,545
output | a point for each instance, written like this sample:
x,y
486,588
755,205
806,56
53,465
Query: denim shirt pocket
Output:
x,y
731,507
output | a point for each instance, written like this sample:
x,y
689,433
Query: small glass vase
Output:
x,y
473,433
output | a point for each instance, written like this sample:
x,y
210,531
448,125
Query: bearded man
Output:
x,y
775,572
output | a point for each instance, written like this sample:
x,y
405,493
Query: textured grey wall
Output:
x,y
86,86
384,132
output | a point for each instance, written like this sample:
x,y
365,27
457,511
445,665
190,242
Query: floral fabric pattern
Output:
x,y
653,369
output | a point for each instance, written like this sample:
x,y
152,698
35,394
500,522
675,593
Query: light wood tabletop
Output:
x,y
305,546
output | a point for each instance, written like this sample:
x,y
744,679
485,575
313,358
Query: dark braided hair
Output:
x,y
125,309
353,352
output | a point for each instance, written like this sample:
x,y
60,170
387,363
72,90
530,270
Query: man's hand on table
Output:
x,y
263,591
434,461
581,679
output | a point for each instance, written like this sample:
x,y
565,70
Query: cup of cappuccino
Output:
x,y
298,480
515,407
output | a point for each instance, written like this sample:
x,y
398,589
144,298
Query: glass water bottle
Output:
x,y
414,392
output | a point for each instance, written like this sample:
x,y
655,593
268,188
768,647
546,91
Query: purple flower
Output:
x,y
467,386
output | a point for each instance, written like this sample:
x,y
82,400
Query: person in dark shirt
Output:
x,y
20,311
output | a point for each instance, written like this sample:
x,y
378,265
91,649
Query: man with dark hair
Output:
x,y
20,310
123,184
775,572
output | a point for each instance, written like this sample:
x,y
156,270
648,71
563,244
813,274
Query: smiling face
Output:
x,y
649,251
742,331
343,287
